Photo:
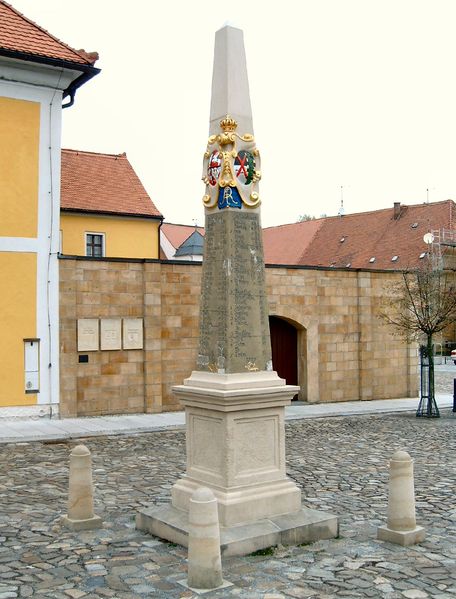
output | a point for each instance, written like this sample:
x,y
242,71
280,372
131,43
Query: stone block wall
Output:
x,y
349,354
180,285
344,351
111,382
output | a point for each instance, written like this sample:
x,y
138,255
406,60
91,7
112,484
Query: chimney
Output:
x,y
397,210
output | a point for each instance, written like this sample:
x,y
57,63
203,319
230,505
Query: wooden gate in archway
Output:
x,y
284,345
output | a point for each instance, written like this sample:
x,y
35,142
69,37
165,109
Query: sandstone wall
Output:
x,y
344,351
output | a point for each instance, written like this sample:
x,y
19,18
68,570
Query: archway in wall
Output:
x,y
284,345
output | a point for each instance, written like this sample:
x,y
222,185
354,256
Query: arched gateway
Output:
x,y
287,358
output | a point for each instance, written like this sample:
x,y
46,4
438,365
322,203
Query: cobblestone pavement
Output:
x,y
444,377
340,463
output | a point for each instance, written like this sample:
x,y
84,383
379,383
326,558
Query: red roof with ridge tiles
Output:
x,y
19,34
354,239
105,183
351,240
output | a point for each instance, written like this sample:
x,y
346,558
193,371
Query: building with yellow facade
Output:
x,y
39,75
105,210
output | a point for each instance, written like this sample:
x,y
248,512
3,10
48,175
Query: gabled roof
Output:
x,y
19,34
104,184
177,234
192,246
392,236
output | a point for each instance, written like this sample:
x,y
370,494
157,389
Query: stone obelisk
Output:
x,y
234,401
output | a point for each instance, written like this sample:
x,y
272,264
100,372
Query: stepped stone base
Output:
x,y
303,526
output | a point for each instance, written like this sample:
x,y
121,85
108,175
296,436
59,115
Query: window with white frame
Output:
x,y
95,245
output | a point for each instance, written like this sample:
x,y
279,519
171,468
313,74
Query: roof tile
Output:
x,y
377,234
19,34
106,183
285,244
351,240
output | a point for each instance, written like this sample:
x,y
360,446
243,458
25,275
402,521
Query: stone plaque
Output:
x,y
87,334
132,333
110,332
205,452
257,445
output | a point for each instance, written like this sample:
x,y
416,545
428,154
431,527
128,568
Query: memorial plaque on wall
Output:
x,y
87,334
110,333
132,333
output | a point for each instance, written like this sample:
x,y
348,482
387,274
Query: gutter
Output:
x,y
87,70
108,213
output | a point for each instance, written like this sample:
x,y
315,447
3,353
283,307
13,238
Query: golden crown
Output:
x,y
228,124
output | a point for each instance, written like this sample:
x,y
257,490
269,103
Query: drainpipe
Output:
x,y
159,235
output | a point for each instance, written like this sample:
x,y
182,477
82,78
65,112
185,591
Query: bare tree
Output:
x,y
420,305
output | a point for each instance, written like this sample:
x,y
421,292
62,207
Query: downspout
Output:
x,y
74,85
159,237
72,94
360,352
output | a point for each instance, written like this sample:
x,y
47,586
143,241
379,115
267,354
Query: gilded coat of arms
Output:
x,y
231,169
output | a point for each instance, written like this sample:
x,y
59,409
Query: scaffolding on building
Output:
x,y
443,249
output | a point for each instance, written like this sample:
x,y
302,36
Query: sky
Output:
x,y
358,94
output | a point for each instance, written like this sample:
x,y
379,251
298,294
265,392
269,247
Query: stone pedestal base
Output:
x,y
236,448
237,505
304,526
401,537
89,524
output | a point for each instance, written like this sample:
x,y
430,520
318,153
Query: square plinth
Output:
x,y
89,524
401,537
303,526
225,584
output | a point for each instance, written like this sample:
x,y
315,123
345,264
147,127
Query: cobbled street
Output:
x,y
340,463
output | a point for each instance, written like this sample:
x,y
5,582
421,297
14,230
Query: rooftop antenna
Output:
x,y
195,223
341,209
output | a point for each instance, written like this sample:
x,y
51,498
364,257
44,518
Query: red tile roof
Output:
x,y
285,244
104,183
354,239
19,34
376,234
177,234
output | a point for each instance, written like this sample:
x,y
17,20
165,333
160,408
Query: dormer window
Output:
x,y
394,258
372,259
422,255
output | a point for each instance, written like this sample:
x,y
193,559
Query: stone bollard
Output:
x,y
80,495
401,526
204,558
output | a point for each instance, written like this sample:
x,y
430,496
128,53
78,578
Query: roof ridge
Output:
x,y
345,216
80,53
315,233
403,205
298,222
90,152
182,225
